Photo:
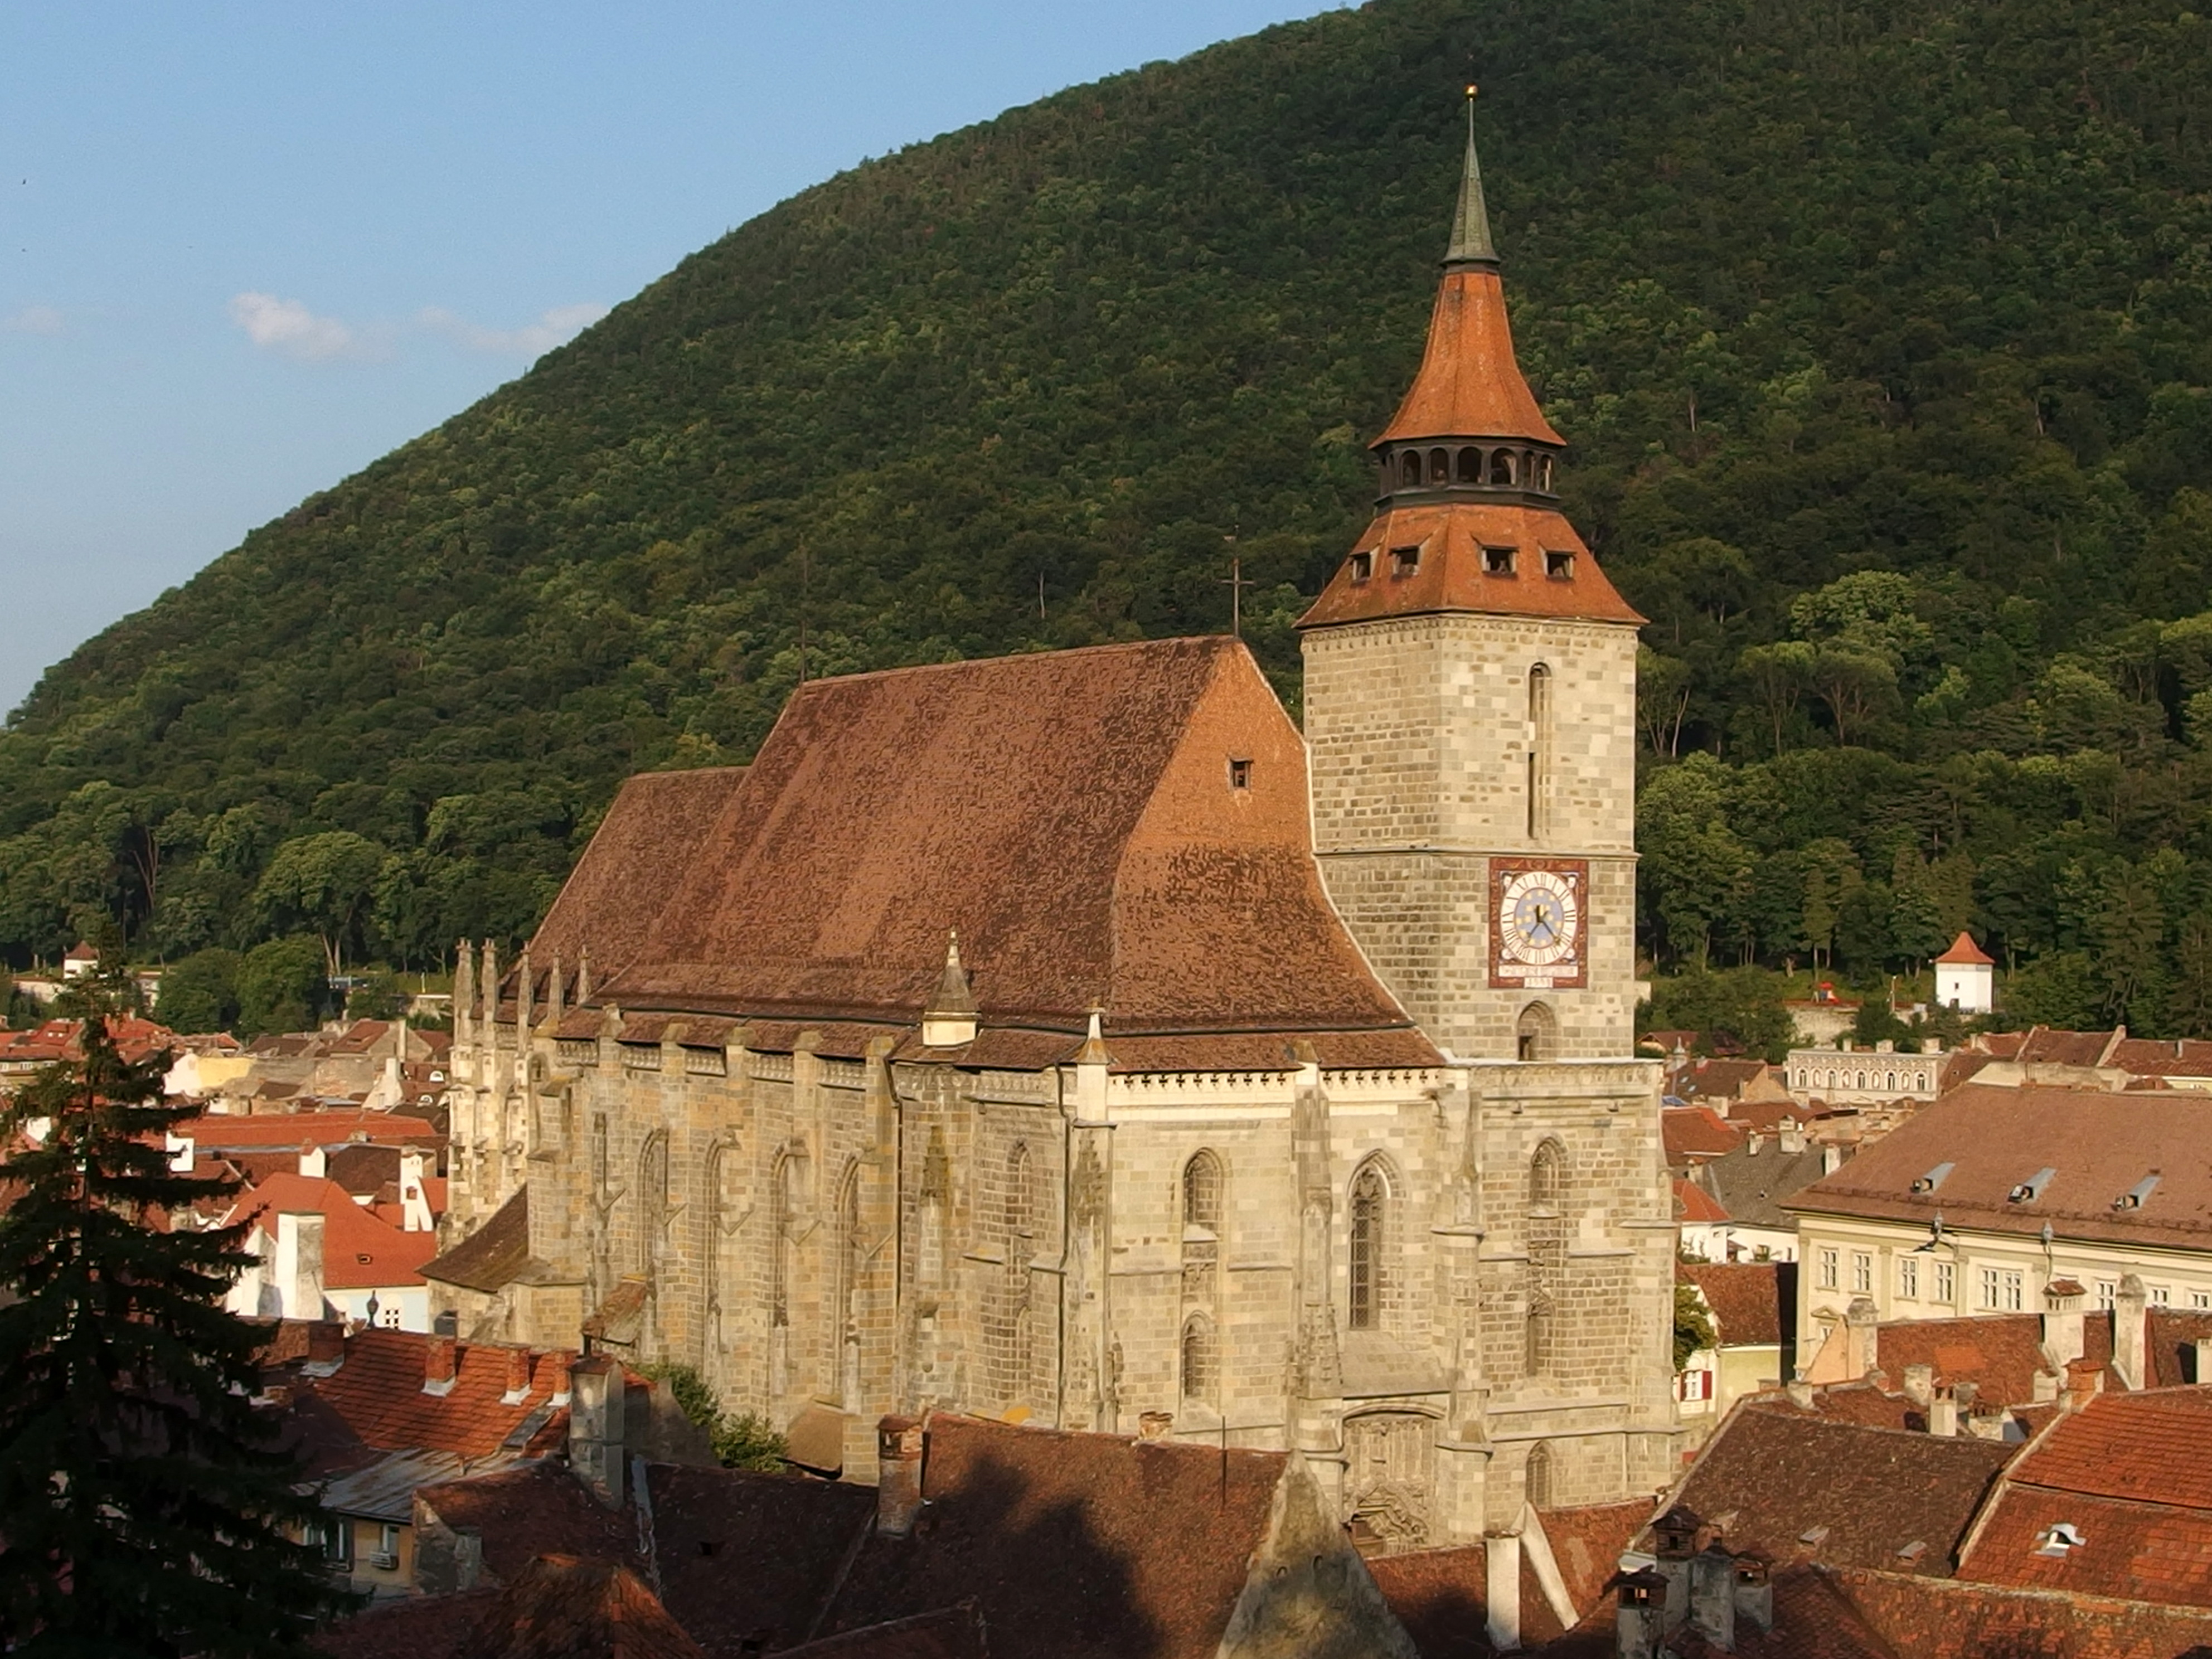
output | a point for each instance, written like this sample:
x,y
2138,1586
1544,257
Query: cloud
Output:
x,y
552,327
34,320
288,327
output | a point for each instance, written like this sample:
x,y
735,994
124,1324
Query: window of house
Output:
x,y
1831,1262
1691,1387
1862,1271
387,1316
1497,561
1946,1284
1240,775
2200,1298
1405,561
2012,1292
2161,1295
1908,1277
1989,1287
387,1540
337,1541
1559,566
2105,1290
1363,566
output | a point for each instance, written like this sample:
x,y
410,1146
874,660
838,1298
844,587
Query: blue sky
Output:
x,y
247,248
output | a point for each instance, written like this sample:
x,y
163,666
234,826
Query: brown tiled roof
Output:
x,y
1947,1618
413,1628
2147,1447
360,1251
1469,384
1696,1131
947,1633
1746,1297
1453,574
2154,1057
637,858
1964,951
379,1392
1692,1203
1774,1476
752,1558
489,1259
2101,1145
1441,1597
2000,1354
535,1510
222,1132
1069,812
1078,1546
560,1607
2139,1551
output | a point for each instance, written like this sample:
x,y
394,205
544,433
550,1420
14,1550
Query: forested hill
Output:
x,y
1881,333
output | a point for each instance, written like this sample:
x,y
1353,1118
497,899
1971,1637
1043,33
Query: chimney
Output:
x,y
1755,1593
2201,1352
1920,1385
181,1153
1712,1596
300,1263
1639,1615
898,1475
313,1165
599,1401
518,1378
1801,1393
1943,1415
556,1378
2084,1381
2128,1308
1988,1423
2061,1322
1831,1159
2043,1389
413,1196
1861,1335
1752,1144
1154,1426
325,1346
439,1364
1501,1563
1792,1133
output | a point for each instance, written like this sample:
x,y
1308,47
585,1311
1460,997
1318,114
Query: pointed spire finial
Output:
x,y
1470,242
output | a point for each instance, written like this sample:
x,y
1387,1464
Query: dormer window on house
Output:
x,y
1363,566
1240,775
1559,566
1405,561
1497,561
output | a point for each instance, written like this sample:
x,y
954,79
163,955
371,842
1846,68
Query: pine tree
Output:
x,y
144,1508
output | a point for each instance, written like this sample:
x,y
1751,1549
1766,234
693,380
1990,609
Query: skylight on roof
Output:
x,y
2133,1198
2031,1188
2059,1538
1935,1178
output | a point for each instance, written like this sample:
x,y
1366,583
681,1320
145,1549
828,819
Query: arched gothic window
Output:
x,y
851,1254
1439,466
1539,1344
784,1190
1021,1202
1370,1204
1201,1194
1501,467
1538,1482
1409,469
1201,1358
1536,1033
1547,1178
1470,466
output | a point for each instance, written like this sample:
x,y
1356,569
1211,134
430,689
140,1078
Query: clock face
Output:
x,y
1537,913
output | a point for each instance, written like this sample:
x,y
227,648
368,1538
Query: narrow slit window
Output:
x,y
1405,561
1240,775
1497,561
1559,566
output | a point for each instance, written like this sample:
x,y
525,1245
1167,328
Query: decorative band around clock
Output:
x,y
1538,917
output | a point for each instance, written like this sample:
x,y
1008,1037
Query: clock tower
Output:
x,y
1470,710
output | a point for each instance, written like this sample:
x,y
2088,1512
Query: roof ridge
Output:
x,y
1215,642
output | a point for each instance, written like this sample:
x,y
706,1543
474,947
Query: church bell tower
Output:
x,y
1470,708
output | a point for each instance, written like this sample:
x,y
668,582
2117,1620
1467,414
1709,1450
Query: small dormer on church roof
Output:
x,y
949,1021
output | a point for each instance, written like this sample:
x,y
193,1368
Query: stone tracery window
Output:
x,y
1201,1358
1370,1203
1547,1178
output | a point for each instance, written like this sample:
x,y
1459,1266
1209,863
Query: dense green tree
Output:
x,y
200,994
281,986
1737,1009
324,882
149,1510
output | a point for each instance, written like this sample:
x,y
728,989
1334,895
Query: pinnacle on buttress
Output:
x,y
953,995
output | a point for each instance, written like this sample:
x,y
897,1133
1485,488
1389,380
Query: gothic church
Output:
x,y
1067,1038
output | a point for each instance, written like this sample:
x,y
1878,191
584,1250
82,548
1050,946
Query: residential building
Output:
x,y
1067,1035
323,1249
1844,1075
1752,1306
1982,1202
2041,1057
1748,1186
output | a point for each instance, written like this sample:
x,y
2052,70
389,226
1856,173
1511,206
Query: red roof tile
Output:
x,y
2138,1551
1696,1131
1694,1204
1940,1619
1746,1297
1069,812
1453,573
379,1392
537,1509
361,1250
560,1607
1469,384
2101,1144
220,1132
